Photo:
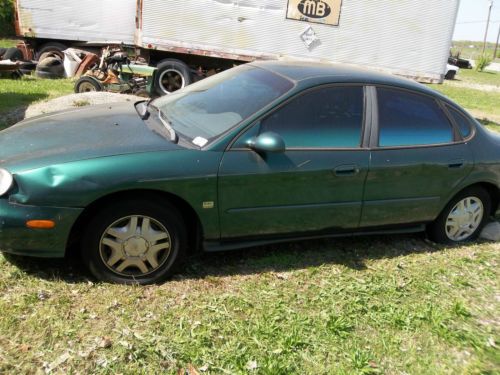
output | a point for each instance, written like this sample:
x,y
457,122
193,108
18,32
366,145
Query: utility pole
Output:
x,y
496,45
487,26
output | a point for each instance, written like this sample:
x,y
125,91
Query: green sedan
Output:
x,y
265,152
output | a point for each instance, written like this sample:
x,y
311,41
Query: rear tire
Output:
x,y
463,218
13,54
52,49
50,67
171,75
450,75
134,242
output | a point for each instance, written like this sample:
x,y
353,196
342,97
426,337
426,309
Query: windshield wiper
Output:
x,y
173,135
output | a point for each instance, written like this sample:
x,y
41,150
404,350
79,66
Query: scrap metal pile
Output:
x,y
108,69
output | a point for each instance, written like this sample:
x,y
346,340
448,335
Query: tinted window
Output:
x,y
211,106
407,119
462,122
327,117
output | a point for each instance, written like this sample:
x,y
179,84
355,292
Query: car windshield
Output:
x,y
208,108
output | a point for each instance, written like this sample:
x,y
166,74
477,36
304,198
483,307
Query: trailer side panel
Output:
x,y
90,20
407,37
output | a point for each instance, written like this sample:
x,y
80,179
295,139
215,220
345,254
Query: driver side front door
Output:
x,y
315,185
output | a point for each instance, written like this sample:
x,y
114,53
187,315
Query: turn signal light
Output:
x,y
40,224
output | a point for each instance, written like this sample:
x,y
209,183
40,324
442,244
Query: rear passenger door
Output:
x,y
418,157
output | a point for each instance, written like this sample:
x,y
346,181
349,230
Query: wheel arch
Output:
x,y
191,218
492,190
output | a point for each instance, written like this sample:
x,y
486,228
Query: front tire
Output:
x,y
463,217
134,242
88,84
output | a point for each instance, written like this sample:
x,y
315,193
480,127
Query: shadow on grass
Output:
x,y
351,252
13,107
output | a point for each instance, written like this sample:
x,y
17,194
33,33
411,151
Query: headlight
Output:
x,y
6,181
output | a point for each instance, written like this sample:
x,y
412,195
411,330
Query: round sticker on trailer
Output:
x,y
314,9
200,141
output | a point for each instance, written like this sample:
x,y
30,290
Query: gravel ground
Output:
x,y
77,101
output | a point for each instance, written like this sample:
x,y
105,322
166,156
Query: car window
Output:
x,y
407,119
463,123
210,107
330,117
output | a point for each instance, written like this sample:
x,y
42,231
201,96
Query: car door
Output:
x,y
417,159
315,185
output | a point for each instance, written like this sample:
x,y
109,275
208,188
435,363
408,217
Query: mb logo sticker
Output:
x,y
314,8
317,11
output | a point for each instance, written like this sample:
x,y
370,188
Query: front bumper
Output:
x,y
16,238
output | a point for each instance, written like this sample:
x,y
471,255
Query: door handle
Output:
x,y
346,170
458,163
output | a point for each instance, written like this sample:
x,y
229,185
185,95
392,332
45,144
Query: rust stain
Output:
x,y
17,27
210,53
25,21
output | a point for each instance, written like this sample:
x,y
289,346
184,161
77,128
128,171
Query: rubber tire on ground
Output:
x,y
16,75
450,75
93,81
437,230
163,212
50,49
50,67
178,65
13,54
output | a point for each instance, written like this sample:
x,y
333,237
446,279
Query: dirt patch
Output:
x,y
66,102
474,86
77,101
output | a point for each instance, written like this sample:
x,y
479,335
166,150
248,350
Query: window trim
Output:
x,y
447,107
375,145
365,121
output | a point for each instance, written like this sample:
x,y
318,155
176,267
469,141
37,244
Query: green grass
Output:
x,y
472,99
483,105
474,77
18,94
393,304
7,43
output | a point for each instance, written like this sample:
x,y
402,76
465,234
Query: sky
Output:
x,y
471,20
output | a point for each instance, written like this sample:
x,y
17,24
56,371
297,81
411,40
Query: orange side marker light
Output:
x,y
40,224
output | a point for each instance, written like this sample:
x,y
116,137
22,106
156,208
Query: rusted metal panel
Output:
x,y
405,36
90,20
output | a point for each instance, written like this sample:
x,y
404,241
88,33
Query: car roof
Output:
x,y
325,73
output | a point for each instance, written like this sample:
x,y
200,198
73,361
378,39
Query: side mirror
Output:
x,y
267,142
142,109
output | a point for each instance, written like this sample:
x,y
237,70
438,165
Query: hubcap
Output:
x,y
86,87
171,80
464,219
135,246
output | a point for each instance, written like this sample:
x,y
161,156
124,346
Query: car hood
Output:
x,y
91,132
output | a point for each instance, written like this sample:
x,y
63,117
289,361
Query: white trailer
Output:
x,y
405,37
